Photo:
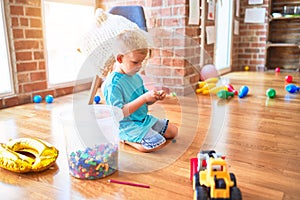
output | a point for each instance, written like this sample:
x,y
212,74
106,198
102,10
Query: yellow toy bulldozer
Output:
x,y
215,182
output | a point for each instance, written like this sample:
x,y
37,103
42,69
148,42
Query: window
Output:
x,y
65,23
5,75
223,34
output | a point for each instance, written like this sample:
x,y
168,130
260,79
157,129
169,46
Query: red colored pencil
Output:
x,y
128,183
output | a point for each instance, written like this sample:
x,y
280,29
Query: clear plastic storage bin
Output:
x,y
91,136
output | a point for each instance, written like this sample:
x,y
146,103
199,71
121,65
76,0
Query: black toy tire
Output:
x,y
235,193
232,178
196,181
200,193
207,151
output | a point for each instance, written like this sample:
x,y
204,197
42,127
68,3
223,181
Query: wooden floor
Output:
x,y
259,136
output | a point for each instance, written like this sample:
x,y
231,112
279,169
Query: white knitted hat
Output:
x,y
96,44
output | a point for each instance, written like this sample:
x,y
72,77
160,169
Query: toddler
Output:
x,y
124,88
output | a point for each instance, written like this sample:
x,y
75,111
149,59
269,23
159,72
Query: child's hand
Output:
x,y
161,94
152,96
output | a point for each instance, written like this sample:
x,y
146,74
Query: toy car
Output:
x,y
212,180
203,158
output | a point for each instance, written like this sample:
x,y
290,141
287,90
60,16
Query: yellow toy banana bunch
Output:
x,y
205,87
209,86
27,155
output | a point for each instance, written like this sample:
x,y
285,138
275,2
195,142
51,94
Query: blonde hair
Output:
x,y
131,40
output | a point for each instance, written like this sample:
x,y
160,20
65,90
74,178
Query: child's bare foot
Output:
x,y
140,147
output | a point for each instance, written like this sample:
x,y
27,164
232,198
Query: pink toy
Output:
x,y
277,69
208,71
193,167
289,79
128,183
231,89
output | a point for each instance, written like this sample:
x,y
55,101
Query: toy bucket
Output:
x,y
91,137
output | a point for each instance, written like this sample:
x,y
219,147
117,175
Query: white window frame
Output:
x,y
6,57
47,57
223,45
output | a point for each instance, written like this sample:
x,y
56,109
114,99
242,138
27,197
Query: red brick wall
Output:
x,y
175,64
208,48
170,67
175,60
252,40
25,29
235,43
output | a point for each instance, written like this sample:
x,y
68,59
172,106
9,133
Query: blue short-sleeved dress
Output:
x,y
120,89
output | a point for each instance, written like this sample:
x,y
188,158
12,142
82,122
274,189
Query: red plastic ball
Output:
x,y
277,69
289,79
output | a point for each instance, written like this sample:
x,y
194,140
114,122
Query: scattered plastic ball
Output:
x,y
208,71
277,69
97,99
291,88
271,93
49,98
37,99
247,68
289,79
173,94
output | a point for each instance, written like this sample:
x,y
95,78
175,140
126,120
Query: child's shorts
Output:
x,y
154,138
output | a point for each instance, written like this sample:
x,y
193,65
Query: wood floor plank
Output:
x,y
259,136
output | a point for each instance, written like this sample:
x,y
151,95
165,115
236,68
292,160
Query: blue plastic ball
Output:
x,y
37,99
97,99
49,98
291,88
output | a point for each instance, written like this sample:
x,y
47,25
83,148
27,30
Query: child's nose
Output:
x,y
139,66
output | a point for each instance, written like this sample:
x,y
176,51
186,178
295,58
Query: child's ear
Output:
x,y
120,58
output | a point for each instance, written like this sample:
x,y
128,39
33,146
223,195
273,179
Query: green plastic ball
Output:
x,y
271,93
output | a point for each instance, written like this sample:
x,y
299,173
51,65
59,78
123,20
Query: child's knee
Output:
x,y
175,130
171,132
